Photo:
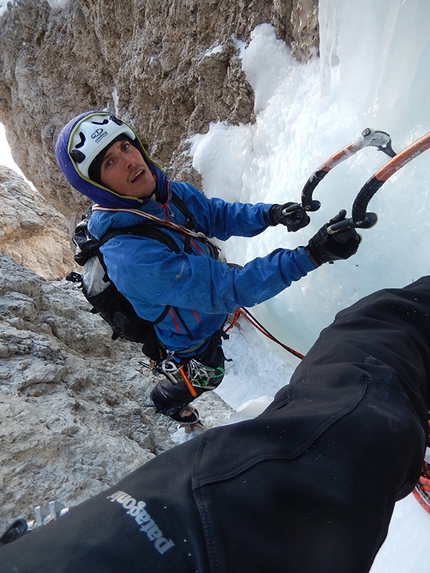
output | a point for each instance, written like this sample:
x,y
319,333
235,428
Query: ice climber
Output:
x,y
186,294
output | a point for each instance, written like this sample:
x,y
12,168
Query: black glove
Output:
x,y
295,219
326,248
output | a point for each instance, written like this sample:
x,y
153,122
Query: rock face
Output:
x,y
73,404
169,67
32,231
74,415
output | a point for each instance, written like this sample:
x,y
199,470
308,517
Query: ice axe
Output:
x,y
360,217
369,137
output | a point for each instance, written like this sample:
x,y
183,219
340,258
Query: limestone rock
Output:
x,y
73,403
33,232
168,67
74,415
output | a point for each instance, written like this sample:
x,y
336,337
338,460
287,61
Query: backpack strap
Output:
x,y
190,223
187,230
142,230
180,205
152,232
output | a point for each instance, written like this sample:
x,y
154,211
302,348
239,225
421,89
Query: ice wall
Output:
x,y
373,71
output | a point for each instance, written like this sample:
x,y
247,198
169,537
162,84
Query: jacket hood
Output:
x,y
97,192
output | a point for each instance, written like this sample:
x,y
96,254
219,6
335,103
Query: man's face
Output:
x,y
125,171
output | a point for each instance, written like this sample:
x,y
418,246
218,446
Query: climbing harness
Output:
x,y
192,372
197,375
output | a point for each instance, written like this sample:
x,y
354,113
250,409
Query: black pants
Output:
x,y
168,398
309,486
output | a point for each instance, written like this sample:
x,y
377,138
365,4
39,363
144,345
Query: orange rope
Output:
x,y
235,319
252,320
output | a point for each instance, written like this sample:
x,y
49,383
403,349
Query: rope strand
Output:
x,y
252,320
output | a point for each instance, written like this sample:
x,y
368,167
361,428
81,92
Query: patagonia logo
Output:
x,y
136,509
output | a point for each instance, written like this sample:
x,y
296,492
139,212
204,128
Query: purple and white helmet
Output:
x,y
93,134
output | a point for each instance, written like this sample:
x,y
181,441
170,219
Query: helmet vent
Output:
x,y
81,143
104,122
77,155
116,120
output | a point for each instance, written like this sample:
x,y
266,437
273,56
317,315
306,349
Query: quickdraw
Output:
x,y
193,373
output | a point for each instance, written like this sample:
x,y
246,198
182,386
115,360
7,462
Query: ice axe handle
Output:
x,y
188,383
297,207
369,221
291,209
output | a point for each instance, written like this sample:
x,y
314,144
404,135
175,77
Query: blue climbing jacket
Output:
x,y
200,289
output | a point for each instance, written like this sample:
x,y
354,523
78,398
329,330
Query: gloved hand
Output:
x,y
296,219
326,248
